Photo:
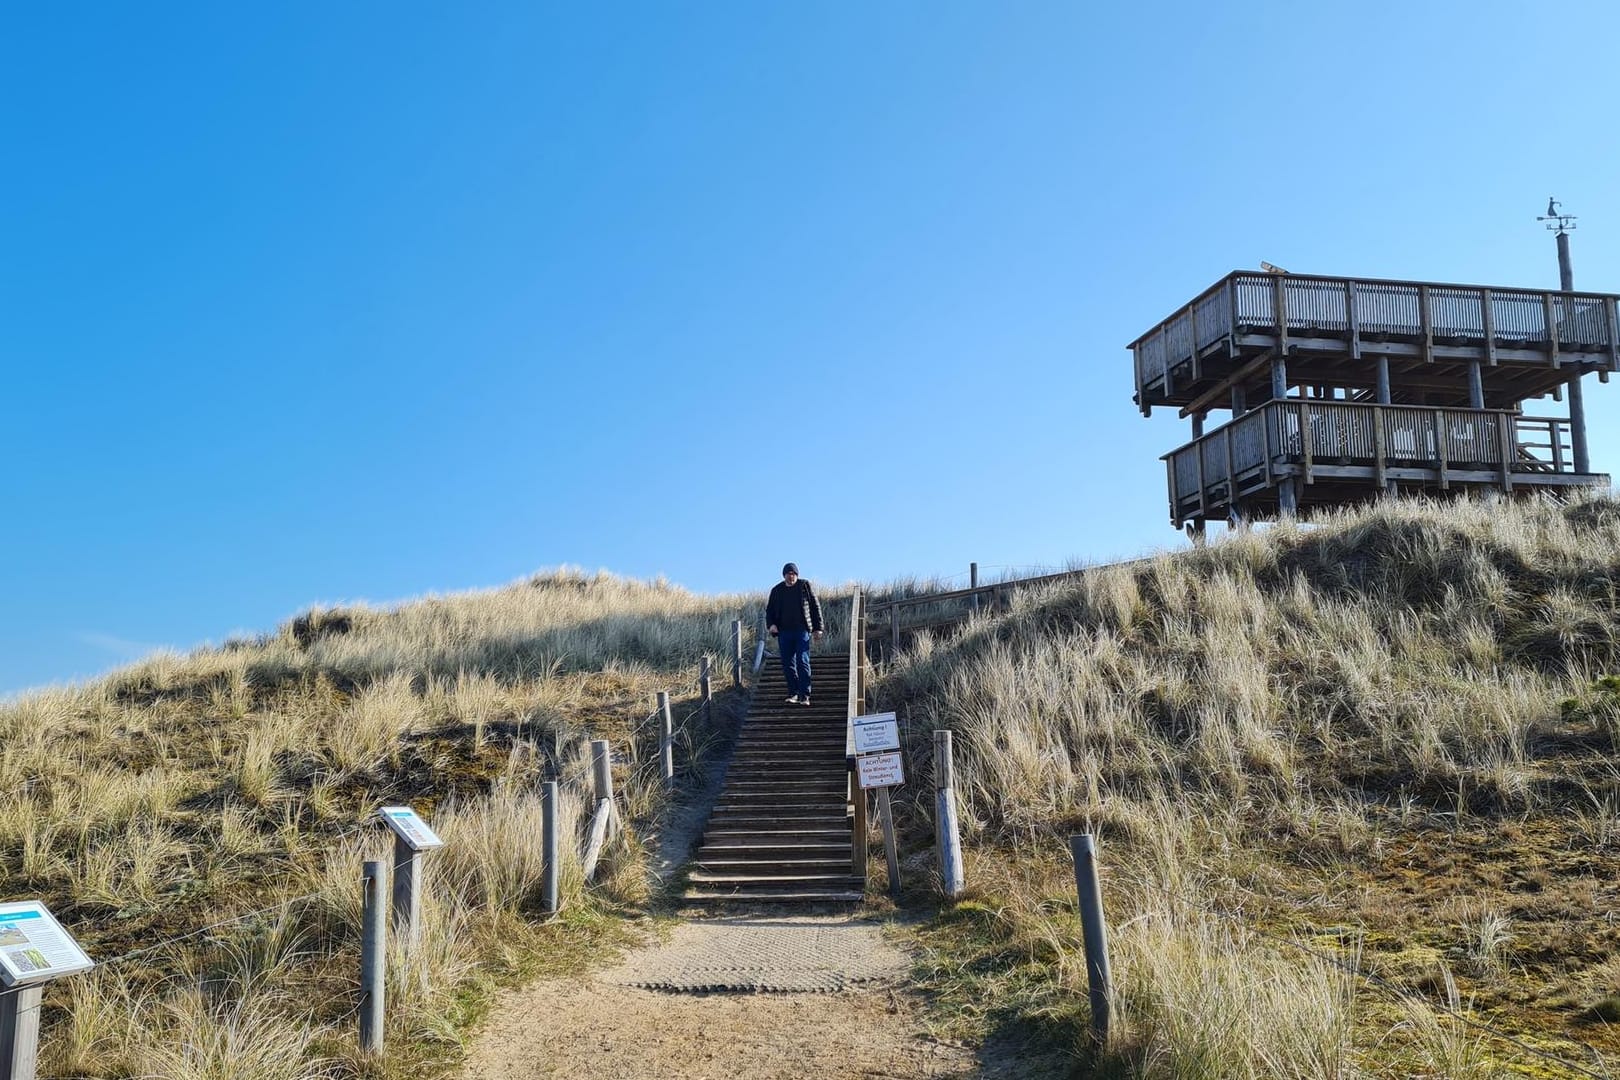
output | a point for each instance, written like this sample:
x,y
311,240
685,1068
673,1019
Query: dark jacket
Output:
x,y
794,607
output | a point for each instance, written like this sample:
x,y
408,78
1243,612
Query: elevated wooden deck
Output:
x,y
1334,330
1336,452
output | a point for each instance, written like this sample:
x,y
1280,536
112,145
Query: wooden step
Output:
x,y
763,896
704,877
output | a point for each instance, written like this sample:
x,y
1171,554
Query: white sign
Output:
x,y
410,828
880,770
34,947
880,731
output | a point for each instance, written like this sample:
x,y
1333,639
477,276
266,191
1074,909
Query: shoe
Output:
x,y
805,703
794,700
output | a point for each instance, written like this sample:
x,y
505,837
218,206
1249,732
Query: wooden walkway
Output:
x,y
781,829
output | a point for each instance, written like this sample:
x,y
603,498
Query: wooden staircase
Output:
x,y
780,831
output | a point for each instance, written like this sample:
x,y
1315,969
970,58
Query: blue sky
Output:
x,y
307,303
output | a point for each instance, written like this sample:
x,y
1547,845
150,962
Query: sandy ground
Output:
x,y
579,1029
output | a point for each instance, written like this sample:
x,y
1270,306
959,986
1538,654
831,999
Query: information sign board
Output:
x,y
34,947
880,770
880,731
410,828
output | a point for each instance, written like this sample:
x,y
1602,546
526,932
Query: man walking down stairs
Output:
x,y
780,831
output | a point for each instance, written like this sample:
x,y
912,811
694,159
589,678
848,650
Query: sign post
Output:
x,y
876,742
34,949
412,836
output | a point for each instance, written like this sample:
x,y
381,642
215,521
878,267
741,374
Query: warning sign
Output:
x,y
880,770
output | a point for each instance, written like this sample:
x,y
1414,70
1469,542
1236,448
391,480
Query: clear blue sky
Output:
x,y
315,302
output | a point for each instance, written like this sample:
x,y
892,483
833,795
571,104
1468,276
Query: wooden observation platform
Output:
x,y
1343,389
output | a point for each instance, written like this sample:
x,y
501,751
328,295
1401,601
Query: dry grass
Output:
x,y
187,790
1330,732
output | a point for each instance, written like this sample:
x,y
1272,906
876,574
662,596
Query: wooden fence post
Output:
x,y
666,739
407,905
706,690
19,1032
973,583
602,771
373,955
947,837
736,653
550,848
1095,931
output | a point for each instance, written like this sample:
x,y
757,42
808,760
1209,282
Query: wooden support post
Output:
x,y
973,583
1425,321
1380,450
947,834
894,629
407,898
1476,386
1552,329
1487,318
857,797
1352,319
1577,426
761,633
1383,381
550,849
736,652
666,739
1305,447
891,850
1288,496
19,1033
1440,446
373,957
1279,378
1506,445
1094,929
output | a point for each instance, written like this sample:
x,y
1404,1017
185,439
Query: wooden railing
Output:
x,y
1253,449
1306,306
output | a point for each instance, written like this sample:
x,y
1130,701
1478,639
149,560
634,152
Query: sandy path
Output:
x,y
600,1026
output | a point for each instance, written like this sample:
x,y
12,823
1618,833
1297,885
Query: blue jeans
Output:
x,y
795,647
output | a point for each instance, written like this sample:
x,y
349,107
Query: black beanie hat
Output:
x,y
790,568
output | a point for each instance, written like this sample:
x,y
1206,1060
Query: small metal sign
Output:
x,y
880,771
410,828
880,731
34,947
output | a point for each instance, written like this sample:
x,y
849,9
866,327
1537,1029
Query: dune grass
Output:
x,y
185,790
1387,736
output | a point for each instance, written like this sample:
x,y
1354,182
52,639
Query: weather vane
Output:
x,y
1559,223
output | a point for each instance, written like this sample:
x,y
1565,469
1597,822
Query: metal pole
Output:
x,y
666,740
407,906
19,1033
373,953
550,846
736,652
1095,931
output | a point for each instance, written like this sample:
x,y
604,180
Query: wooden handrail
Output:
x,y
987,590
